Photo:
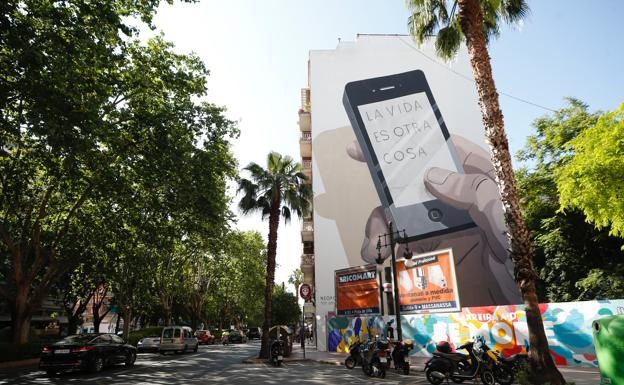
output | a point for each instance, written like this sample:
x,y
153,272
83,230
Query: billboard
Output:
x,y
397,137
357,290
427,283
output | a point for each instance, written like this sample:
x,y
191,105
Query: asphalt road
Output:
x,y
217,364
211,364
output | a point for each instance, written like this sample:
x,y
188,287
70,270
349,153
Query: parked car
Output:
x,y
178,339
237,336
149,344
92,351
254,333
204,337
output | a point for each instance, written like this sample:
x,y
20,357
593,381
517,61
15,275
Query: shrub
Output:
x,y
137,335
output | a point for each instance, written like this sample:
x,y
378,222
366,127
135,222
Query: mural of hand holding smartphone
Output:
x,y
402,134
430,183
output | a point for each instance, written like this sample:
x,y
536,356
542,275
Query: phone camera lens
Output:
x,y
435,215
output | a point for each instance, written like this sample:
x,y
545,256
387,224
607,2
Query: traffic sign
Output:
x,y
305,291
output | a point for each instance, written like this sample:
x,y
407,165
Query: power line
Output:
x,y
468,78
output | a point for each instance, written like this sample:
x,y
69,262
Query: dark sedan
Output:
x,y
237,336
91,351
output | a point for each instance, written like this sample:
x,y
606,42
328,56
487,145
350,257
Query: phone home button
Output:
x,y
435,215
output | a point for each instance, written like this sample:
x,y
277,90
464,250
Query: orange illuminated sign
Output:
x,y
357,290
427,283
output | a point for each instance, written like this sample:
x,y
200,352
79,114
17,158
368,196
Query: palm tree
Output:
x,y
275,192
475,22
296,279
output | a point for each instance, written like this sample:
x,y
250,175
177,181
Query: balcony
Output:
x,y
307,260
307,231
307,268
307,168
305,144
305,121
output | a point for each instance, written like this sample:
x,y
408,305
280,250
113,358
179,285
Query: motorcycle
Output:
x,y
375,358
277,352
505,369
355,355
400,355
457,366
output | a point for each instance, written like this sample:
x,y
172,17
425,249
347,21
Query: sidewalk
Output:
x,y
577,375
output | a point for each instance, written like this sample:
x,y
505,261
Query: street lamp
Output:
x,y
394,237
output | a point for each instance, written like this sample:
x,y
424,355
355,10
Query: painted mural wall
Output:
x,y
568,328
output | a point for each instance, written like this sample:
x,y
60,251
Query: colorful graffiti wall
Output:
x,y
567,325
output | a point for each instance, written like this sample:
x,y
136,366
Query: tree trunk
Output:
x,y
274,218
117,322
20,319
471,20
127,319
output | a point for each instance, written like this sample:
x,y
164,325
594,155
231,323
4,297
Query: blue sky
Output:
x,y
257,52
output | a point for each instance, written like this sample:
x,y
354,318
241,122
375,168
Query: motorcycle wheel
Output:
x,y
504,375
350,363
432,380
406,368
487,377
367,369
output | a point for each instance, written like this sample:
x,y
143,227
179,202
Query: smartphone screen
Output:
x,y
402,135
407,140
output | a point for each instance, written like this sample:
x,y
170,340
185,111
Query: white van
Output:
x,y
178,339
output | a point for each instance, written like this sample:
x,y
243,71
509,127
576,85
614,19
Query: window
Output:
x,y
168,333
177,333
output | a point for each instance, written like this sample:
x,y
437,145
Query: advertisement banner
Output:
x,y
427,283
357,291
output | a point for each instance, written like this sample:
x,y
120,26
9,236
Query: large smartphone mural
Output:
x,y
397,136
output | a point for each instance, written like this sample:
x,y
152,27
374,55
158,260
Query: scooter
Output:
x,y
355,355
276,355
458,367
400,355
504,368
375,358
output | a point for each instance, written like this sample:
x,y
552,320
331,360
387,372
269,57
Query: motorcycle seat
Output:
x,y
452,356
515,358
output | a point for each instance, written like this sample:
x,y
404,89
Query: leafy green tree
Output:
x,y
274,192
296,279
286,310
476,21
237,276
567,249
592,180
93,119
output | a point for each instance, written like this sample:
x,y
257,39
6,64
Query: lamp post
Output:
x,y
407,254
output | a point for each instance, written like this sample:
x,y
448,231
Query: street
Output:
x,y
223,364
212,364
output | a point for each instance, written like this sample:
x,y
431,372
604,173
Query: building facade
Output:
x,y
436,127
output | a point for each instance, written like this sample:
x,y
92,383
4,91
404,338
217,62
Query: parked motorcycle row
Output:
x,y
480,362
377,356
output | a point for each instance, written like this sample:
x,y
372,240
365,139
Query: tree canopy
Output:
x,y
106,142
570,254
592,180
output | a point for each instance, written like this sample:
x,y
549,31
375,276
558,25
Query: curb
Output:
x,y
255,360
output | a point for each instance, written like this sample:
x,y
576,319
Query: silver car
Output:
x,y
149,344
